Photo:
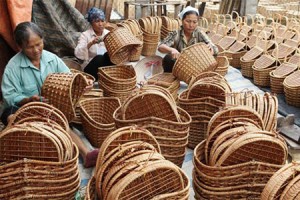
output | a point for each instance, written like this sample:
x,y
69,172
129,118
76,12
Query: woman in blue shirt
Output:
x,y
25,74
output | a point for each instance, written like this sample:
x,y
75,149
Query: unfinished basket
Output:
x,y
64,91
192,61
121,44
97,118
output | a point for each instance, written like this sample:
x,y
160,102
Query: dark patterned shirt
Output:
x,y
177,40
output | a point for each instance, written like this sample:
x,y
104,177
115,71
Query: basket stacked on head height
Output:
x,y
151,34
204,97
130,158
192,61
121,44
64,91
97,118
154,108
117,81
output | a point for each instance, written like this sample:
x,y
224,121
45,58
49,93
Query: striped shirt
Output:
x,y
177,40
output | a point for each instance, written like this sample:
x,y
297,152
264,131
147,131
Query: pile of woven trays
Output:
x,y
63,90
154,108
151,34
192,61
97,118
133,26
266,105
237,152
203,98
169,25
117,81
278,75
284,184
130,165
38,158
121,44
167,81
291,86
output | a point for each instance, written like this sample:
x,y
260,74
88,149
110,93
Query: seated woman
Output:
x,y
90,47
24,76
187,35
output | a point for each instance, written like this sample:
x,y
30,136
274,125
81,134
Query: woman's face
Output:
x,y
190,22
98,26
34,47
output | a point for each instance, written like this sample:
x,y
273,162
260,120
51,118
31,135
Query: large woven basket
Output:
x,y
97,118
121,44
64,91
192,61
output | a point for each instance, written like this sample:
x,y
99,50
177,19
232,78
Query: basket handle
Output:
x,y
234,12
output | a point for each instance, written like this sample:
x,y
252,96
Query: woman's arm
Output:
x,y
163,48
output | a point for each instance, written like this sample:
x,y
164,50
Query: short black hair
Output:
x,y
23,31
188,13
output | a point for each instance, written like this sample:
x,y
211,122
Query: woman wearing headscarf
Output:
x,y
25,74
90,48
187,35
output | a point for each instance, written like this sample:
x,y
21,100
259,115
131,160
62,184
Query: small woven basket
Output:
x,y
97,120
64,91
192,61
121,44
223,65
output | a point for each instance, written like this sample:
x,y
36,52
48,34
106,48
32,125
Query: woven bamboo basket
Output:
x,y
235,52
120,77
278,75
168,81
148,67
292,89
223,65
40,179
231,181
64,91
120,44
40,111
192,61
281,182
97,120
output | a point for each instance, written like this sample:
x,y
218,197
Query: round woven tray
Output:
x,y
148,67
192,61
120,44
64,91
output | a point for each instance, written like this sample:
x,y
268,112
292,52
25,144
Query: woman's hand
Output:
x,y
96,40
174,53
36,98
89,86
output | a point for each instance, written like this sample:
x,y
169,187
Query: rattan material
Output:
x,y
192,61
148,67
97,120
291,86
223,65
64,91
120,44
40,112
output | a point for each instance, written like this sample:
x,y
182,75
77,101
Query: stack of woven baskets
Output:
x,y
38,158
237,152
97,118
130,165
169,25
192,61
133,26
167,81
266,105
64,91
291,86
204,97
154,108
117,81
284,184
151,34
278,75
121,44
